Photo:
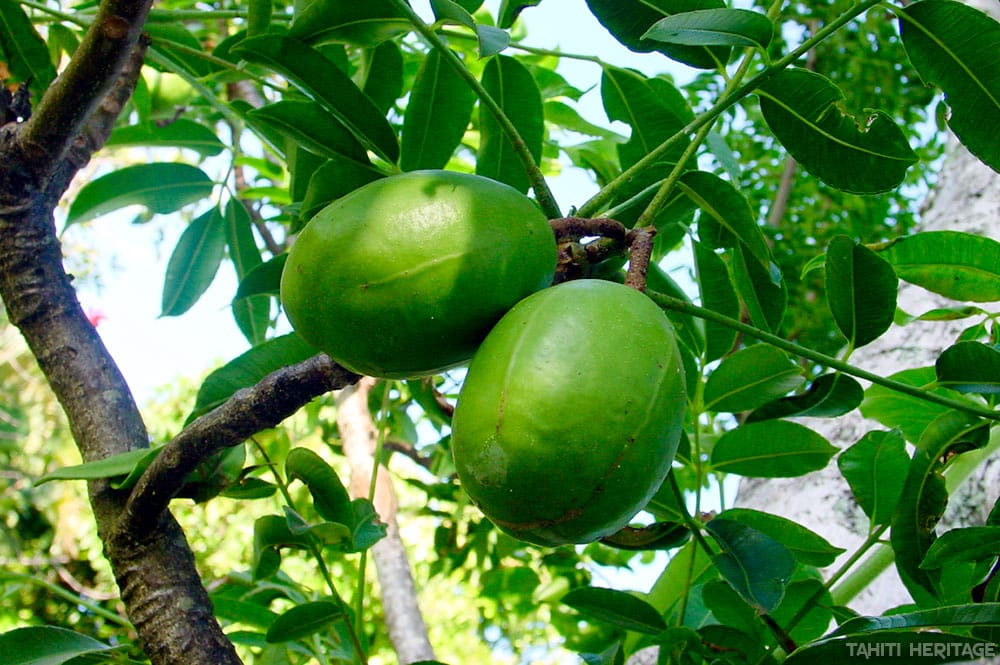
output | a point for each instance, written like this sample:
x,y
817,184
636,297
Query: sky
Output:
x,y
153,351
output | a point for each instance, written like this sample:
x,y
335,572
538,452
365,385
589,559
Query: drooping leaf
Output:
x,y
270,535
252,315
330,498
654,114
725,206
384,75
829,396
48,645
628,21
312,127
718,295
771,449
360,23
764,292
952,46
182,133
492,40
861,290
321,79
194,263
875,468
757,566
971,543
714,27
802,109
750,378
115,466
437,115
617,608
805,545
249,368
655,536
511,85
304,620
161,187
969,367
957,265
23,49
925,497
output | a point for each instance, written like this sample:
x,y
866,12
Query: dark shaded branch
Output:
x,y
274,398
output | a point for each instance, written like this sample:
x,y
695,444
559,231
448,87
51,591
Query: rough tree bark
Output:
x,y
403,618
150,557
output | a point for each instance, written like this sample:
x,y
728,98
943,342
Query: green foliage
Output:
x,y
787,174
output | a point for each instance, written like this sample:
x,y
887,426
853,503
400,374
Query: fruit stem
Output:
x,y
546,199
678,305
640,242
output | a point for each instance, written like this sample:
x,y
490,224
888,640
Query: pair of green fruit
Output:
x,y
572,407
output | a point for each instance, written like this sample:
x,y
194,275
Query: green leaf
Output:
x,y
330,498
160,187
258,16
115,466
953,46
181,133
806,546
757,566
750,378
384,75
802,109
194,263
957,265
807,607
724,204
763,291
829,396
335,178
971,543
714,27
689,329
253,316
616,608
875,468
717,294
249,368
970,367
925,496
309,125
363,23
511,85
510,9
270,535
238,610
973,614
265,279
655,536
492,40
47,645
771,449
304,620
437,115
23,49
888,648
654,113
861,290
628,21
321,79
367,529
896,410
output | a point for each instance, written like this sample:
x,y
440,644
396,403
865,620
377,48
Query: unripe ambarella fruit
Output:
x,y
406,275
570,415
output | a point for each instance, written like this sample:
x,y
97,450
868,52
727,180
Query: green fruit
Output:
x,y
571,412
406,275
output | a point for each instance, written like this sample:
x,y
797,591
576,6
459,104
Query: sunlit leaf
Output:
x,y
115,466
653,113
750,378
161,187
330,497
957,265
253,315
362,23
771,449
511,85
312,127
511,9
802,109
437,115
714,27
23,49
194,263
182,133
953,46
48,645
492,40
